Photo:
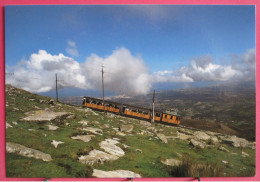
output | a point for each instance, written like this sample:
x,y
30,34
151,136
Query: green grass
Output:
x,y
146,163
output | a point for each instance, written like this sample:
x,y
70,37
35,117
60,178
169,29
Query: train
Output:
x,y
130,111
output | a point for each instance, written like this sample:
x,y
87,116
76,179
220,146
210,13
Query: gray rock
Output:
x,y
221,148
44,116
109,145
171,162
95,131
126,128
199,135
182,136
96,156
84,138
145,132
105,126
145,123
56,143
236,141
196,143
27,152
162,137
51,127
84,123
115,174
51,102
214,140
7,125
244,154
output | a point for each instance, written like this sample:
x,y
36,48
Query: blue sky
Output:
x,y
165,38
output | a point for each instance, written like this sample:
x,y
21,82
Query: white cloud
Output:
x,y
72,49
124,73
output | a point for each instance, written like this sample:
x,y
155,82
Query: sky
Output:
x,y
140,46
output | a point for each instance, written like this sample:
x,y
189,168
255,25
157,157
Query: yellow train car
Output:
x,y
130,111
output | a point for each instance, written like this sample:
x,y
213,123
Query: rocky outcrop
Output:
x,y
126,128
44,116
171,162
95,131
109,145
196,143
27,152
51,127
237,142
96,156
115,174
56,143
199,135
162,137
84,138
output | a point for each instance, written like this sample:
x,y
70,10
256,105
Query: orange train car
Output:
x,y
131,111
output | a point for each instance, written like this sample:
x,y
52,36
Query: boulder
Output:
x,y
171,162
96,156
145,132
84,123
244,154
196,143
109,145
7,125
105,126
95,131
51,127
26,152
84,138
236,141
223,149
199,135
162,137
115,174
44,116
126,128
145,123
56,143
214,140
182,136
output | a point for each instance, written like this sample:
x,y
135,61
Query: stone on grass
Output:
x,y
182,136
244,154
196,143
115,174
7,125
145,123
45,116
84,123
109,145
51,127
56,143
96,156
236,141
26,152
171,162
162,137
221,148
200,135
95,131
84,138
126,128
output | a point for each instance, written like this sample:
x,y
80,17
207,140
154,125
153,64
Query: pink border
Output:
x,y
184,2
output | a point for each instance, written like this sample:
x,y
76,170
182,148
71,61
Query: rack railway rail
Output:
x,y
131,111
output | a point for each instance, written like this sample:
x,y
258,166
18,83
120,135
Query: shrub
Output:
x,y
190,168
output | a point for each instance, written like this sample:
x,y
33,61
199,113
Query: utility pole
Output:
x,y
56,81
103,88
57,88
153,105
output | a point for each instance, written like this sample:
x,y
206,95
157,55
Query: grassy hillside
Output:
x,y
143,154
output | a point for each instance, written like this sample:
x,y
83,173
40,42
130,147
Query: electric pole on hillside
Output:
x,y
153,106
57,88
103,88
57,97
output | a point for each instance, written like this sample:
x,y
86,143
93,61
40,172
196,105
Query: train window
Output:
x,y
157,114
171,117
165,116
